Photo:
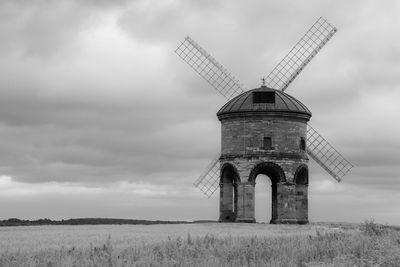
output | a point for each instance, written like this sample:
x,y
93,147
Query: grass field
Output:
x,y
213,244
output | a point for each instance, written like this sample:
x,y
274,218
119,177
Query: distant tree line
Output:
x,y
81,221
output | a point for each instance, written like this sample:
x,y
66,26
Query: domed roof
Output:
x,y
264,100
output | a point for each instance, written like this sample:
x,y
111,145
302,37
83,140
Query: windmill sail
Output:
x,y
225,83
287,70
300,55
208,182
326,155
208,68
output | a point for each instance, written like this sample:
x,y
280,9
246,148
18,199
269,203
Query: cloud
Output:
x,y
86,117
120,200
48,28
330,201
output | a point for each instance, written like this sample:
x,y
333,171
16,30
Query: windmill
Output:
x,y
277,111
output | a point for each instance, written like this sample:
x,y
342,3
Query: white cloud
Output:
x,y
14,189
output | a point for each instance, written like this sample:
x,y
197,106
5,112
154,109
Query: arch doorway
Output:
x,y
262,199
228,193
275,175
301,181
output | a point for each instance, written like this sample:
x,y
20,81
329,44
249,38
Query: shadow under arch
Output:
x,y
229,178
301,189
272,170
301,175
277,175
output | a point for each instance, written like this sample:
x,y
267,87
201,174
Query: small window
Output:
x,y
302,144
268,143
263,97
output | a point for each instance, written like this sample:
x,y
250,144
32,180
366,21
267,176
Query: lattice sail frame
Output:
x,y
208,68
326,155
208,182
300,55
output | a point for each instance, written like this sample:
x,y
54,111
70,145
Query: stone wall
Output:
x,y
242,147
244,135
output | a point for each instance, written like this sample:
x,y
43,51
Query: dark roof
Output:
x,y
283,103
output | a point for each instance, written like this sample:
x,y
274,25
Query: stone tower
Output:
x,y
264,132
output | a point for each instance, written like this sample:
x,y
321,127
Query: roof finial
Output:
x,y
263,82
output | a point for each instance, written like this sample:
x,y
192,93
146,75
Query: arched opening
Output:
x,y
262,199
301,181
301,175
228,193
276,175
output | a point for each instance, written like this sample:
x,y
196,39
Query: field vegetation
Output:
x,y
368,244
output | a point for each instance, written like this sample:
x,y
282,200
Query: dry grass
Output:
x,y
246,245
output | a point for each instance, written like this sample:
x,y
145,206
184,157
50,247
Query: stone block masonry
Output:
x,y
267,140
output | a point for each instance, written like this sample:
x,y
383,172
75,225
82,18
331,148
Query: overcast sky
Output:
x,y
99,118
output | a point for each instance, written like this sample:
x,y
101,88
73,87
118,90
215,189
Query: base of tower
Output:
x,y
245,220
275,221
289,221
